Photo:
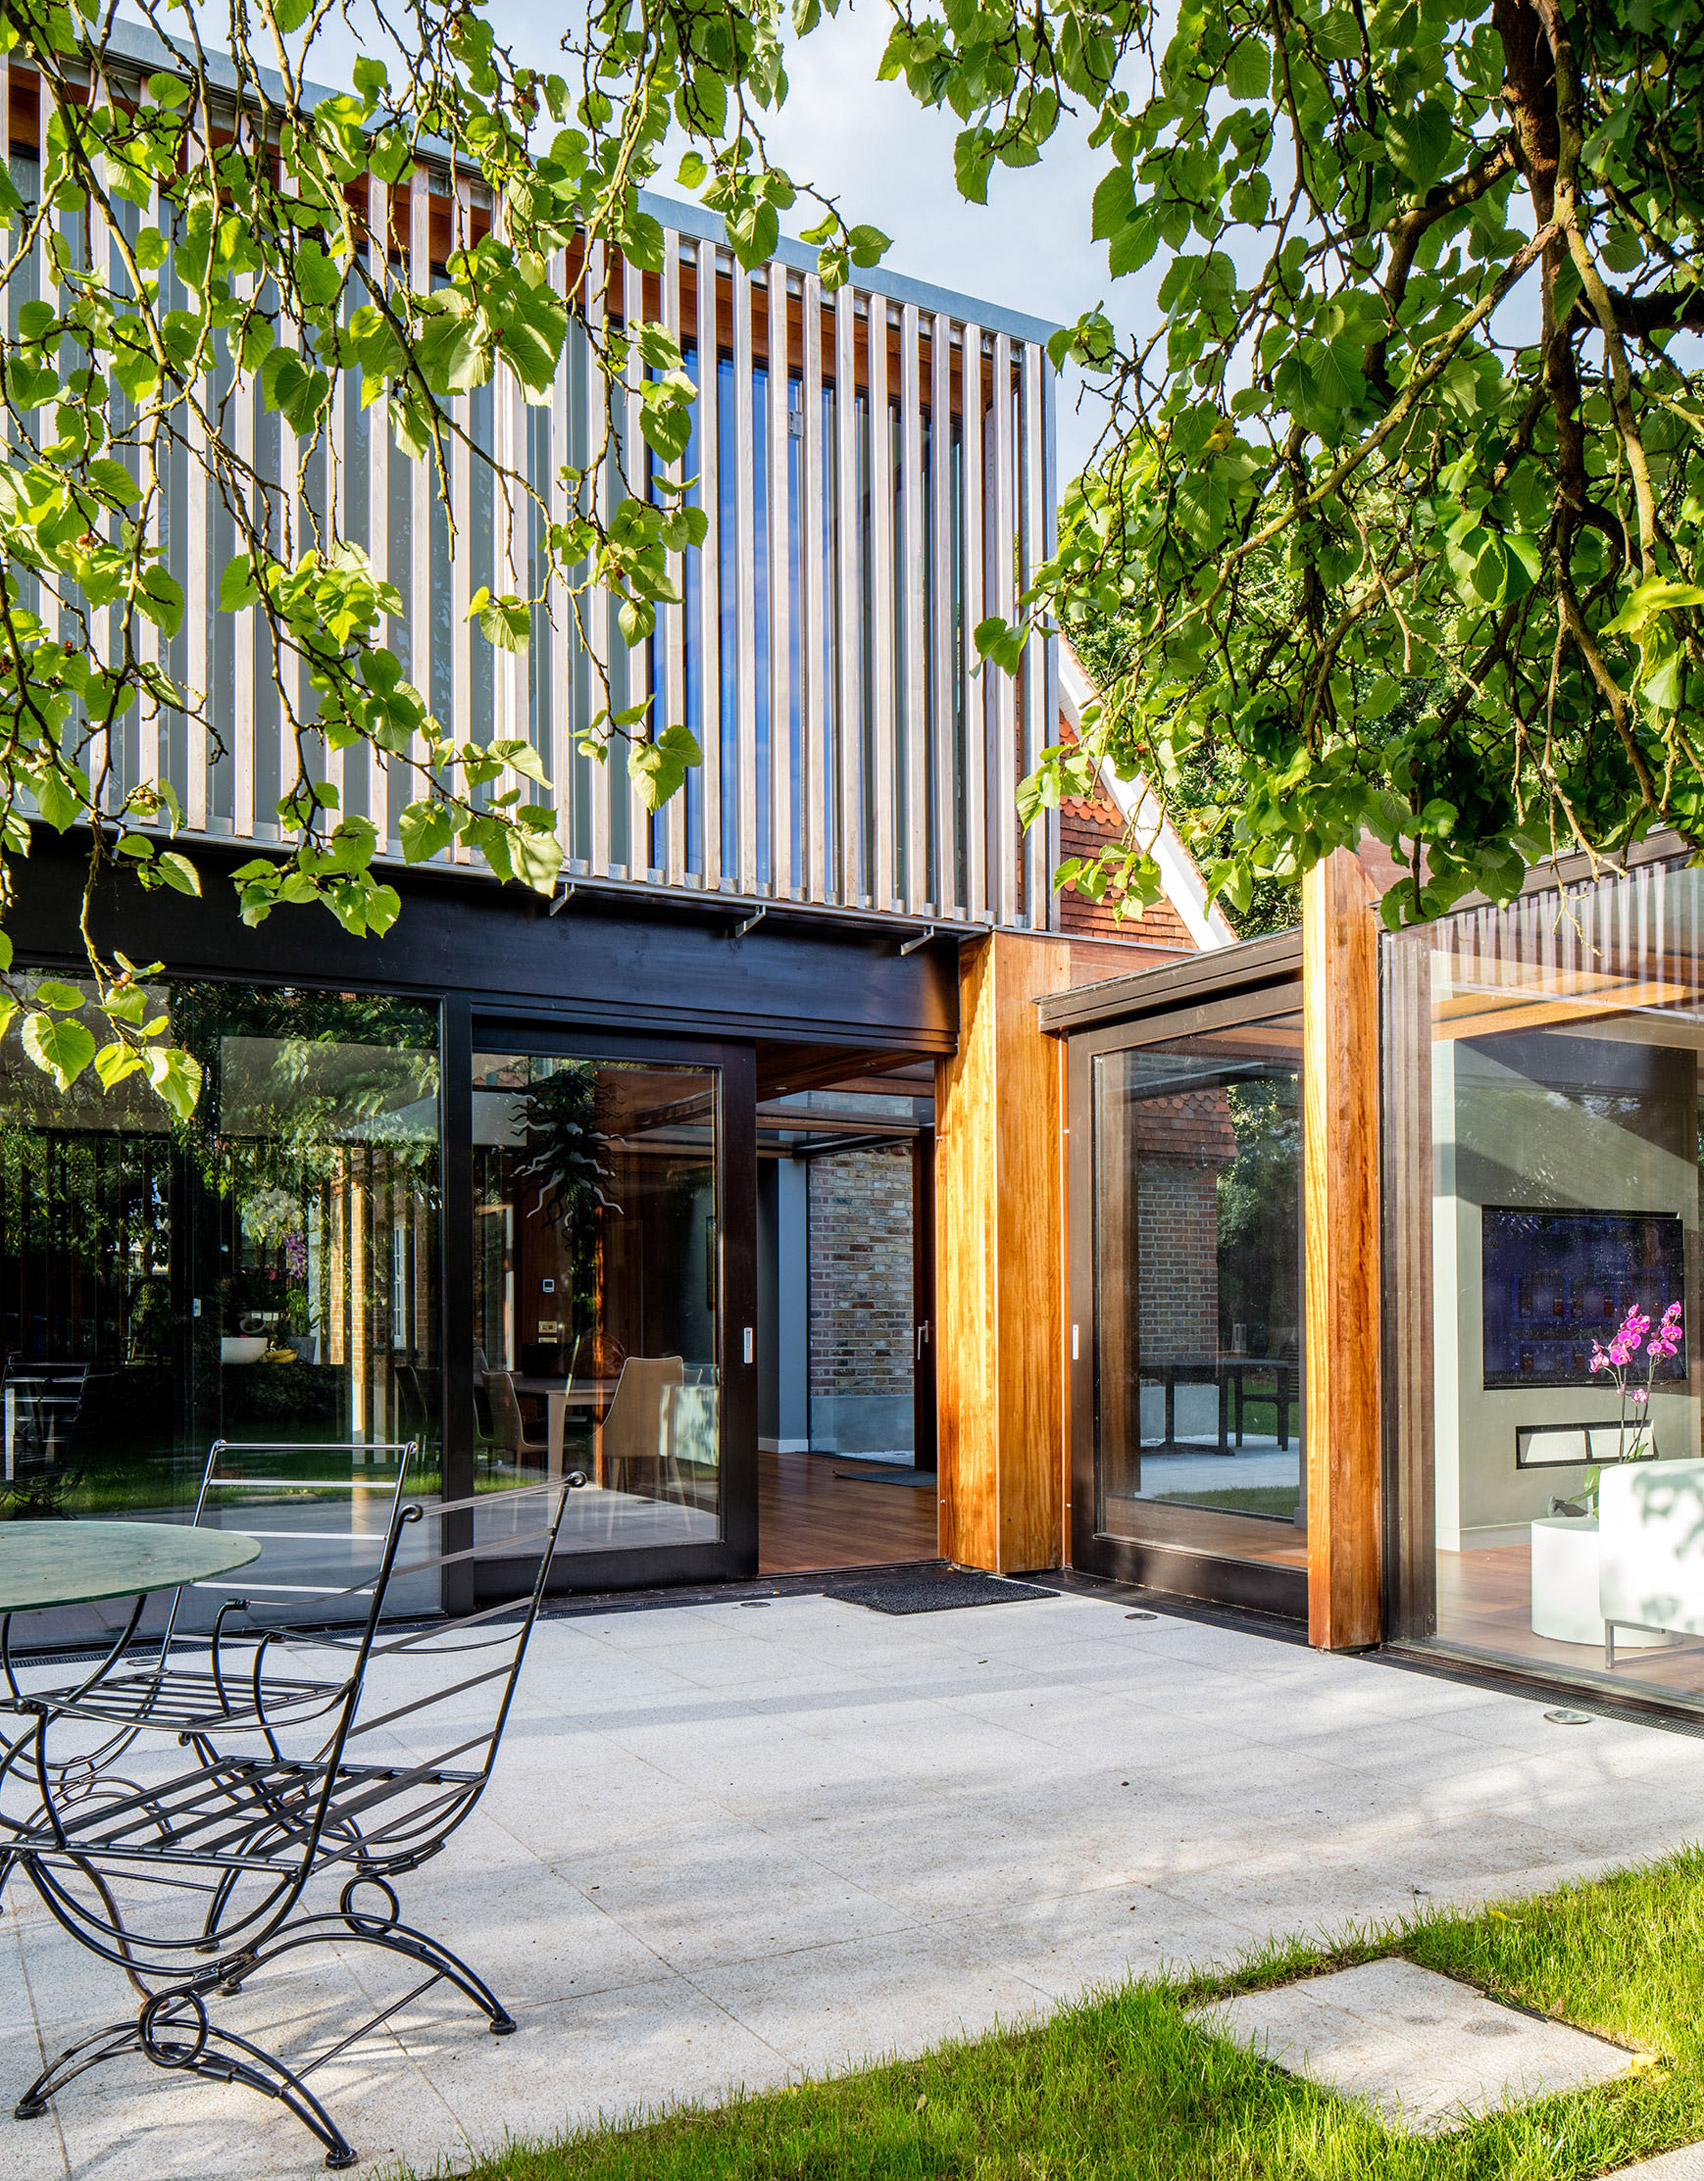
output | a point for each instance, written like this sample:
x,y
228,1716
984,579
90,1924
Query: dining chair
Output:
x,y
44,1447
511,1426
632,1444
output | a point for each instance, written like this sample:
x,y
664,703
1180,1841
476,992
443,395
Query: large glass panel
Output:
x,y
1198,1300
1545,1134
596,1292
266,1271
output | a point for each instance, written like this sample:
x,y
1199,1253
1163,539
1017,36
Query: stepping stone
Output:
x,y
1427,2052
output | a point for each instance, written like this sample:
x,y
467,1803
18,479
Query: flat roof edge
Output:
x,y
144,48
1273,959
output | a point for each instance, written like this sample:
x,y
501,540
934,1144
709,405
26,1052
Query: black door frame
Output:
x,y
551,1033
1259,1585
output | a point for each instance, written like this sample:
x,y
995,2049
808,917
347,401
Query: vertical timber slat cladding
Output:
x,y
711,696
780,581
1340,1164
998,1277
891,484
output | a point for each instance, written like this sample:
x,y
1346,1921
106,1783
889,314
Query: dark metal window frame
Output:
x,y
1161,1007
556,1034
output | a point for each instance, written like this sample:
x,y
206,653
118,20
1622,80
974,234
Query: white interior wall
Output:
x,y
1550,1153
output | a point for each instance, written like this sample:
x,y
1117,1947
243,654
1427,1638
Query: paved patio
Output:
x,y
727,1845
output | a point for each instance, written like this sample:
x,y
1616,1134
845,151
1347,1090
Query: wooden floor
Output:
x,y
809,1518
1207,1529
1485,1603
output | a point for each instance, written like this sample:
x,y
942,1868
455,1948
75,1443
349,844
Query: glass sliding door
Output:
x,y
1193,1410
1544,1125
267,1270
597,1238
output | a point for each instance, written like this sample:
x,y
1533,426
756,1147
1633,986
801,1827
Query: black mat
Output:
x,y
923,1593
926,1478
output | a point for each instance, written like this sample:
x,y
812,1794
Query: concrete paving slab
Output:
x,y
1429,2053
723,1847
1686,2164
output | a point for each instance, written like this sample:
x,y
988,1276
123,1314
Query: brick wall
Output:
x,y
1180,1145
861,1272
1086,826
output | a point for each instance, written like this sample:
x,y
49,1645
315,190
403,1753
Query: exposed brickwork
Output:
x,y
1086,826
861,1272
1177,1245
1180,1145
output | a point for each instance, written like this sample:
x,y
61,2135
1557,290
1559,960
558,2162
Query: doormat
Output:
x,y
923,1478
935,1593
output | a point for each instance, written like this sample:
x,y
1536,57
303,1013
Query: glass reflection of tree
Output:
x,y
326,1082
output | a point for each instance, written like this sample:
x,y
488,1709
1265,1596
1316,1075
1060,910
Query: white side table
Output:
x,y
1565,1586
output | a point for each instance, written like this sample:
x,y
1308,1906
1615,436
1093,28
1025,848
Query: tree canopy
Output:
x,y
1395,523
1398,519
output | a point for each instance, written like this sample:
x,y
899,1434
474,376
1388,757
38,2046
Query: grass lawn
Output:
x,y
1121,2088
1240,1499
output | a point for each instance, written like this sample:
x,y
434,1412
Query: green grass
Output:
x,y
1123,2088
1240,1499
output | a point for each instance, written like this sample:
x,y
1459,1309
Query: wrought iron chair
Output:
x,y
41,1407
214,1678
193,1878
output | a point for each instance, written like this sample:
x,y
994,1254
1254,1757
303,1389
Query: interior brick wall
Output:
x,y
1180,1144
861,1271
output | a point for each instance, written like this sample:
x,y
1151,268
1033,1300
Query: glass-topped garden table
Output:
x,y
82,1563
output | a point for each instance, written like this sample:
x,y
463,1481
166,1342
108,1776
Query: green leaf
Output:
x,y
59,1047
54,992
175,1077
1248,69
178,872
658,768
505,621
1657,594
1420,143
114,1062
426,829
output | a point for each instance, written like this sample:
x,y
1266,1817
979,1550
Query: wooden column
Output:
x,y
1340,1156
999,1227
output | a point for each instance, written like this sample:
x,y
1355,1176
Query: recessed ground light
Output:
x,y
754,1601
1141,1616
1569,1718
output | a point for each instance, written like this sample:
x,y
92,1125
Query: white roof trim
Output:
x,y
1134,800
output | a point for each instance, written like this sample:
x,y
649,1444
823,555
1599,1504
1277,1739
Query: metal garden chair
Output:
x,y
41,1409
207,1678
194,1874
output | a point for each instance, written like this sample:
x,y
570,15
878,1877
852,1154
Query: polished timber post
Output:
x,y
998,1286
1340,1187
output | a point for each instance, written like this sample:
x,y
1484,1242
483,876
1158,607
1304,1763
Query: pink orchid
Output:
x,y
1629,1337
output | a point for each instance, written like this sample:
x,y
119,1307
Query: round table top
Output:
x,y
76,1563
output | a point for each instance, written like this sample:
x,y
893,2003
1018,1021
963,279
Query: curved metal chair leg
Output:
x,y
348,1924
173,2031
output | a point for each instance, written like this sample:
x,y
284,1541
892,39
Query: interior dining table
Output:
x,y
559,1395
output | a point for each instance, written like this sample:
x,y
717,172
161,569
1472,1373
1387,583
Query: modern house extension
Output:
x,y
645,1179
1354,1220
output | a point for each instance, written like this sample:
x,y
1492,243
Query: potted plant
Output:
x,y
1635,1439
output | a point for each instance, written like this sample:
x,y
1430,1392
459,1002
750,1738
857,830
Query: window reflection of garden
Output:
x,y
266,1271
